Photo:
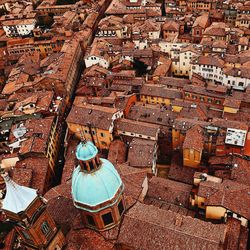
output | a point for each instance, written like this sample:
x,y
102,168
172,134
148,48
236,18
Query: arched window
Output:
x,y
97,161
84,165
91,165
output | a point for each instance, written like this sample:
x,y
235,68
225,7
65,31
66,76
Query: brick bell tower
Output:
x,y
27,210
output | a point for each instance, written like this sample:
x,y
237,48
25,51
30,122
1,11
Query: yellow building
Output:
x,y
201,5
44,46
221,199
158,94
47,47
178,137
41,140
193,146
179,104
94,123
231,105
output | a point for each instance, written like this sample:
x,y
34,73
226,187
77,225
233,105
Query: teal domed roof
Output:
x,y
86,151
95,188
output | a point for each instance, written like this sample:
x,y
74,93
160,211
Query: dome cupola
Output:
x,y
97,189
87,155
86,151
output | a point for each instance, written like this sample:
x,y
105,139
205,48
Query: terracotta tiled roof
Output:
x,y
210,60
39,167
169,206
133,179
117,152
159,91
169,191
141,153
136,127
229,194
239,171
194,138
70,160
23,176
63,212
174,82
168,229
232,102
180,173
162,69
96,116
201,21
170,25
86,239
216,29
152,114
243,72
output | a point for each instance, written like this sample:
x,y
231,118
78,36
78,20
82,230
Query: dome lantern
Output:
x,y
87,155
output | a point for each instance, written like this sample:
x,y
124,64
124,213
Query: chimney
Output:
x,y
178,221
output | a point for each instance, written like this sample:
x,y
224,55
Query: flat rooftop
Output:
x,y
236,137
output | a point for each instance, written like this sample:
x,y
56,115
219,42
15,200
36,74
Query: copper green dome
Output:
x,y
97,187
86,151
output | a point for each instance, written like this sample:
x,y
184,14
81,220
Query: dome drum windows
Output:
x,y
91,165
106,218
121,207
90,220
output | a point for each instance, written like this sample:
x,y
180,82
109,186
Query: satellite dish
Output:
x,y
19,132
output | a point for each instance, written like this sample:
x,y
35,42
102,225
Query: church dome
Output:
x,y
92,189
86,151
